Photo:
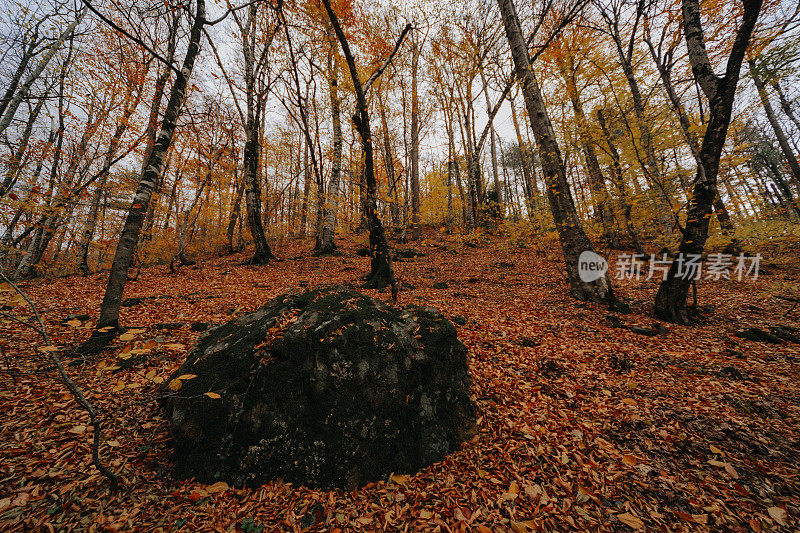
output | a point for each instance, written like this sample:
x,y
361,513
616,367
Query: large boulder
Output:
x,y
328,388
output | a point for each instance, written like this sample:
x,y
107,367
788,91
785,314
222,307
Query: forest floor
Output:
x,y
584,424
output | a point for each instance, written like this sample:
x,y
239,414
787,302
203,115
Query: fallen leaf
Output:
x,y
778,514
213,395
219,486
629,459
630,520
518,527
400,479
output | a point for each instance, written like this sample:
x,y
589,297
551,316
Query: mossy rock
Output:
x,y
327,388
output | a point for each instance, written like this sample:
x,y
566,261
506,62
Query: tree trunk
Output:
x,y
236,208
381,272
306,192
493,148
394,208
109,312
529,187
573,239
328,244
670,302
415,53
783,141
252,149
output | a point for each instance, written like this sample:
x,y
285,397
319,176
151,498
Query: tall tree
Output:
x,y
573,239
328,241
381,273
109,312
670,302
757,73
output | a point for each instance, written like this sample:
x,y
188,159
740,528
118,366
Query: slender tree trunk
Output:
x,y
783,141
236,208
388,157
415,53
786,105
109,312
328,244
529,187
493,148
306,192
573,239
670,302
381,272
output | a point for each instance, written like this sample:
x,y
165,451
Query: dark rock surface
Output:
x,y
328,388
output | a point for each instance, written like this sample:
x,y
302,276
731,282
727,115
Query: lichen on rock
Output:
x,y
327,388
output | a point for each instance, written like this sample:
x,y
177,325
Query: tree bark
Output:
x,y
783,141
415,53
573,239
381,272
109,312
236,208
670,302
328,243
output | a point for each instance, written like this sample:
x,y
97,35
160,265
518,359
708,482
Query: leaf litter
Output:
x,y
583,424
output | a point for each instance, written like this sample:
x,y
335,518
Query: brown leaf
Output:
x,y
778,514
630,520
219,486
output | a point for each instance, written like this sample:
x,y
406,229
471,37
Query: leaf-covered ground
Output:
x,y
584,424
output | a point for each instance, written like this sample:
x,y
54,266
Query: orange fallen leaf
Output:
x,y
630,520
